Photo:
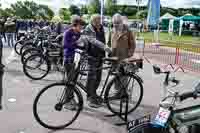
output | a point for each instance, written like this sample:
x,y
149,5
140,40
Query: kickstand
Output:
x,y
123,117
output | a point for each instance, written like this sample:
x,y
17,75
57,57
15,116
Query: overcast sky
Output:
x,y
169,3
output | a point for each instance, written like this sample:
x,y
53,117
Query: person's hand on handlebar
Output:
x,y
108,50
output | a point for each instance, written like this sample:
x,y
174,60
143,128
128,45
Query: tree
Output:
x,y
45,12
110,7
94,7
142,14
64,14
130,11
74,10
84,10
31,10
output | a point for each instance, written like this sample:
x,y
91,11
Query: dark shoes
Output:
x,y
1,107
116,96
71,105
95,101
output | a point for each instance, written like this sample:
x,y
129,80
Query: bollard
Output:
x,y
1,72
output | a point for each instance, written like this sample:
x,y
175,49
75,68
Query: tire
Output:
x,y
56,127
25,46
28,53
17,47
148,128
42,60
115,107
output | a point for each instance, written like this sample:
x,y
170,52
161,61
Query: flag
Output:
x,y
153,12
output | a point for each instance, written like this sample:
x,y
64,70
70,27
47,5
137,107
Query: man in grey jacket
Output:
x,y
95,33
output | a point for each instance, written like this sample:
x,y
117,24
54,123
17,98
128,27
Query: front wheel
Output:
x,y
17,47
36,66
51,105
120,87
149,128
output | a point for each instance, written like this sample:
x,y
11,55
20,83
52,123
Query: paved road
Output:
x,y
17,116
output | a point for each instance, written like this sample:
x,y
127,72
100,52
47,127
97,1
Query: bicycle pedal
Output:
x,y
110,115
121,124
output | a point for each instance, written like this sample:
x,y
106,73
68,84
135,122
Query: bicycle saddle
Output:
x,y
111,59
133,60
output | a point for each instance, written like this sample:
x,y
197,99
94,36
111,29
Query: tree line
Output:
x,y
32,10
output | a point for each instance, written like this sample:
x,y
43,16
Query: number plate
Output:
x,y
132,125
162,117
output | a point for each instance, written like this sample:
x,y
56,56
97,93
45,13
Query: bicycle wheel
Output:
x,y
17,47
25,46
49,110
36,66
29,52
122,85
148,128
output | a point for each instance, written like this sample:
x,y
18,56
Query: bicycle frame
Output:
x,y
110,72
77,73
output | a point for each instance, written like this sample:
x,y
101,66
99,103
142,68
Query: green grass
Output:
x,y
185,42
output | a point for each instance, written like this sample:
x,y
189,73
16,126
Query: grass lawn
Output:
x,y
185,42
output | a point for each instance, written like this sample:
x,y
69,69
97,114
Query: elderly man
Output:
x,y
96,35
122,43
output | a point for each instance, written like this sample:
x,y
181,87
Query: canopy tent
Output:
x,y
189,17
167,16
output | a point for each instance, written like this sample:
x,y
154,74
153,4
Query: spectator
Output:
x,y
122,42
59,28
17,28
10,31
2,29
97,36
71,36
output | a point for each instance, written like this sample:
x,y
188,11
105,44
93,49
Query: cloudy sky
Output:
x,y
169,3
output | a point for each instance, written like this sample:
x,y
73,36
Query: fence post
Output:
x,y
177,57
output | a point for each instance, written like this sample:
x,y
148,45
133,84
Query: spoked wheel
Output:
x,y
149,128
25,47
29,52
36,66
120,87
55,108
17,47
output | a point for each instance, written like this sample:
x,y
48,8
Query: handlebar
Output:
x,y
187,95
157,70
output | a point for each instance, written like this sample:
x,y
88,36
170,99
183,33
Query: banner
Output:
x,y
153,12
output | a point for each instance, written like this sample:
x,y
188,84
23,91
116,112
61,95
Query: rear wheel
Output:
x,y
120,87
29,52
36,66
49,106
